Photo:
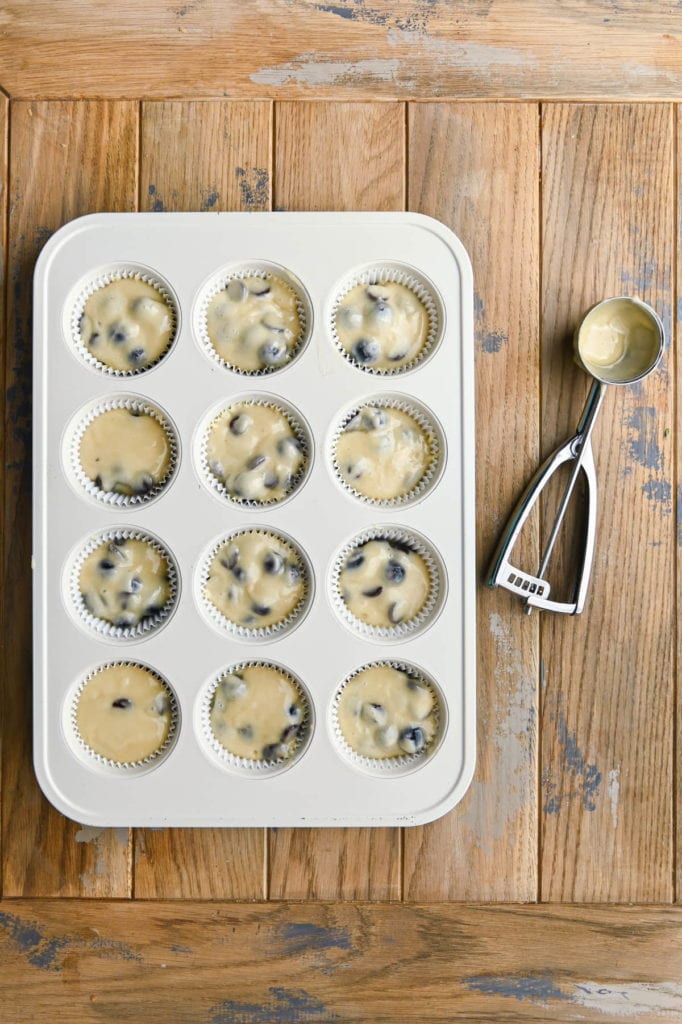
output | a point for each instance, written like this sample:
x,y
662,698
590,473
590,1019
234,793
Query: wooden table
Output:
x,y
517,905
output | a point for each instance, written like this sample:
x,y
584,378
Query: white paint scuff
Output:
x,y
308,70
613,792
637,999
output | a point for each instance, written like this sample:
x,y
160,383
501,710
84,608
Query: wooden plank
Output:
x,y
475,167
607,202
362,964
4,169
203,156
66,159
677,306
360,49
337,156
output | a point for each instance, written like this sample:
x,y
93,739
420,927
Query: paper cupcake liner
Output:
x,y
265,271
429,611
299,429
432,431
404,763
246,766
106,630
394,273
88,416
264,633
100,280
133,767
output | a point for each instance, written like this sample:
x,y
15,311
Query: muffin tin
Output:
x,y
191,783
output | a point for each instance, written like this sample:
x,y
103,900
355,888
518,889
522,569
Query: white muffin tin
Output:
x,y
189,786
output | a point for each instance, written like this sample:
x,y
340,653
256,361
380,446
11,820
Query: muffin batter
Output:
x,y
127,324
619,339
125,452
384,583
253,323
255,580
254,453
383,712
382,453
257,713
125,582
124,713
382,326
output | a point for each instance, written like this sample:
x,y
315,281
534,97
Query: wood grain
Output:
x,y
203,156
677,306
337,156
4,159
608,699
475,167
66,159
360,49
220,963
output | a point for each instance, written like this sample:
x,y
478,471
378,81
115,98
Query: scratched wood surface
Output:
x,y
359,49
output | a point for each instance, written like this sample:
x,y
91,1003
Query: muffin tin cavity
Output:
x,y
387,451
123,320
121,451
254,319
255,584
256,718
388,718
254,452
122,717
386,319
122,584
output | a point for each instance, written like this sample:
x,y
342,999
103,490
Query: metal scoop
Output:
x,y
619,341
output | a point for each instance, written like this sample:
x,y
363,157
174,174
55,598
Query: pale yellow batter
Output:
x,y
384,583
382,326
124,582
253,323
619,339
125,452
254,452
255,580
127,324
383,712
124,713
257,714
382,453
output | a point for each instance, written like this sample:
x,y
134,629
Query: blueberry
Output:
x,y
161,703
273,563
373,418
261,289
246,731
273,324
294,572
145,484
394,571
353,471
375,713
396,612
122,702
94,338
366,350
135,584
98,482
274,752
387,736
273,353
295,712
237,290
152,610
239,424
414,683
400,545
382,312
106,565
288,734
260,609
270,480
287,445
255,462
355,560
396,357
118,334
232,686
137,356
375,295
373,592
231,561
412,739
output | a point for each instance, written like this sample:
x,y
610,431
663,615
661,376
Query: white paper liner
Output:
x,y
431,608
101,627
251,767
133,767
264,633
404,763
99,280
397,273
88,416
435,440
299,429
265,271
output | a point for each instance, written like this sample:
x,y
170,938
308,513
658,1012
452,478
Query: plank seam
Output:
x,y
540,671
5,341
674,340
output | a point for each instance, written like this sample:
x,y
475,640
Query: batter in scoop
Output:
x,y
382,453
253,451
382,326
125,452
255,580
253,323
124,713
257,713
384,712
127,324
124,582
384,583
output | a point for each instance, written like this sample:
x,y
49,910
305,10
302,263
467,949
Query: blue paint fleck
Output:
x,y
43,953
534,988
660,492
479,307
580,778
493,341
300,936
285,1006
25,936
209,197
254,187
340,12
181,949
157,206
642,444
